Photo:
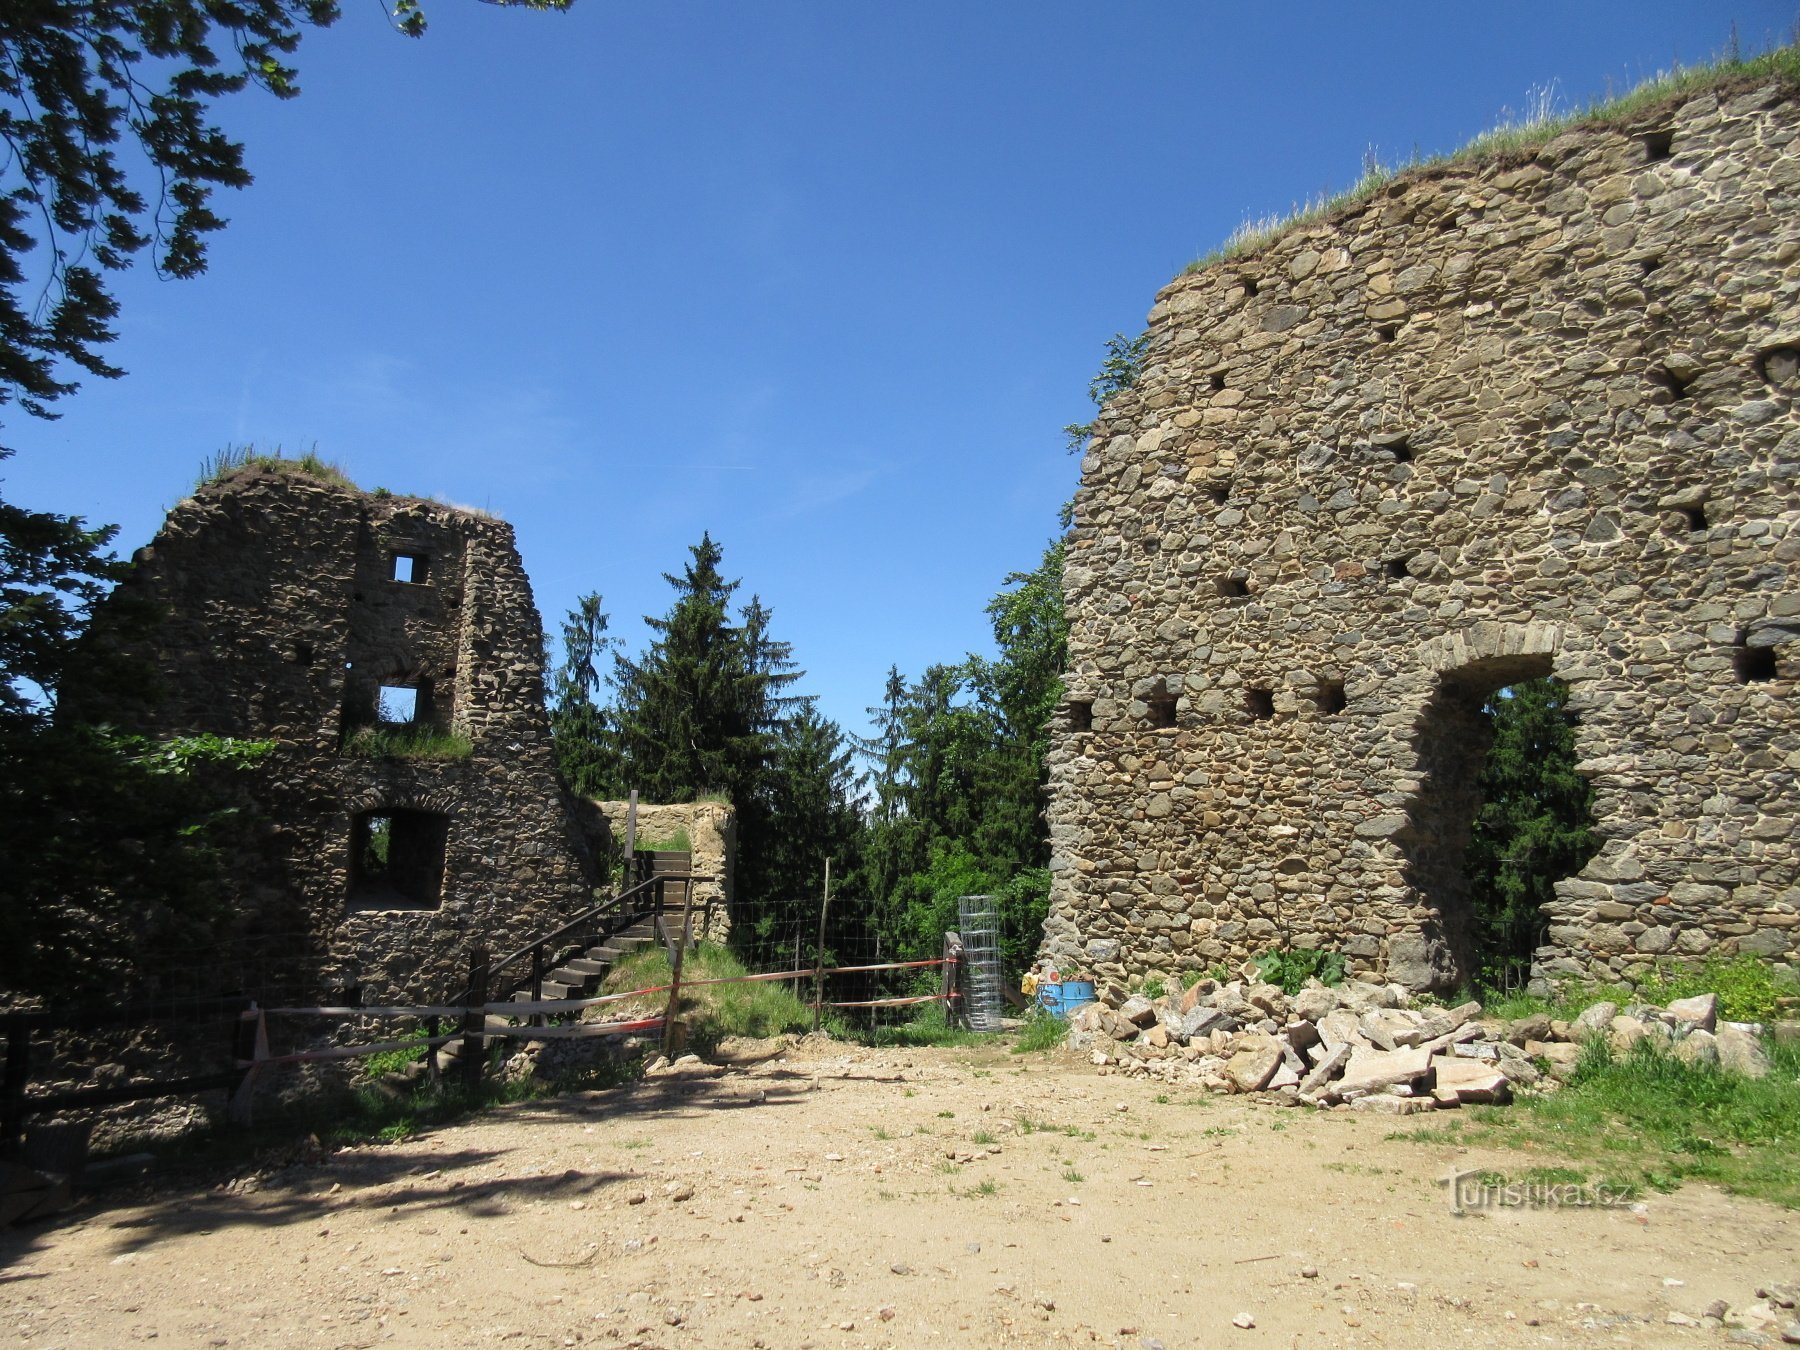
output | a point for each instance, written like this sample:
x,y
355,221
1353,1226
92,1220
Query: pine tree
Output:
x,y
587,749
1534,827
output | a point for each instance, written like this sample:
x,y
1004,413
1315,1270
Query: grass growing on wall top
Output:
x,y
233,459
1516,133
383,741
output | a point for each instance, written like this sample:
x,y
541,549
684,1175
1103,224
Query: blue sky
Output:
x,y
824,279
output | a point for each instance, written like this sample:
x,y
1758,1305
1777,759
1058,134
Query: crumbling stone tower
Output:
x,y
390,647
1530,416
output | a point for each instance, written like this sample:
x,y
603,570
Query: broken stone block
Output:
x,y
1300,1034
1740,1051
1470,1080
1697,1047
1702,1010
1372,1070
1269,998
1313,1002
1464,1013
1595,1020
1285,1077
1138,1010
1388,1105
1624,1033
1255,1062
1202,1022
1325,1068
1392,1028
1533,1028
1339,1027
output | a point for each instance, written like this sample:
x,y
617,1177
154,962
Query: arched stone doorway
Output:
x,y
1452,734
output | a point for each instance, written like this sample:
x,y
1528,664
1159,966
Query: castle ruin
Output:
x,y
1533,415
390,648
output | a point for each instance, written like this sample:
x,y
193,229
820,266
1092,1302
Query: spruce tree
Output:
x,y
1533,829
587,749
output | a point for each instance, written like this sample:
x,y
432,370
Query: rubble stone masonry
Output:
x,y
283,617
1530,416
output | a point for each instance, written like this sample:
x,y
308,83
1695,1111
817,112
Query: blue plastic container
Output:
x,y
1059,1000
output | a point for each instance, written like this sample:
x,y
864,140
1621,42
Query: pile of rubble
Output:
x,y
1360,1044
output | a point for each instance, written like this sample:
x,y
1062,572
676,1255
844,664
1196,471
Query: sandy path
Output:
x,y
809,1200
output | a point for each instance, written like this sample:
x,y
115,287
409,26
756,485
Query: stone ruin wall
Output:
x,y
711,828
281,619
1533,416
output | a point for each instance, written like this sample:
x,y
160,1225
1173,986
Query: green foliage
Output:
x,y
1533,829
713,1012
409,740
235,459
1041,1032
958,768
931,1026
1747,986
586,741
1655,1120
1291,969
52,571
1155,987
109,844
1120,370
77,80
677,842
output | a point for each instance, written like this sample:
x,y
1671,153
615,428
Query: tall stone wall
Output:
x,y
281,617
1534,416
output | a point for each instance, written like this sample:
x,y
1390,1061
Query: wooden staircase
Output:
x,y
570,963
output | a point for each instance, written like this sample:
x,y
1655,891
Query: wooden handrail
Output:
x,y
611,903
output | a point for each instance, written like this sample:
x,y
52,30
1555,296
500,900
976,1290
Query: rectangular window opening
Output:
x,y
1081,714
411,568
1753,665
1233,588
1161,710
1331,699
401,704
397,859
1396,568
1259,703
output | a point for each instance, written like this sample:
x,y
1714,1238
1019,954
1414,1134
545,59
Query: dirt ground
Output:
x,y
812,1196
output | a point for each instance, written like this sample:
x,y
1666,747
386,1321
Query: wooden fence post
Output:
x,y
249,1045
669,1013
537,983
474,1021
819,954
12,1090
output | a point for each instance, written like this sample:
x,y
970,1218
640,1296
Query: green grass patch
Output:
x,y
1041,1032
235,459
386,740
1648,1119
712,1011
674,843
1749,988
1518,133
932,1026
